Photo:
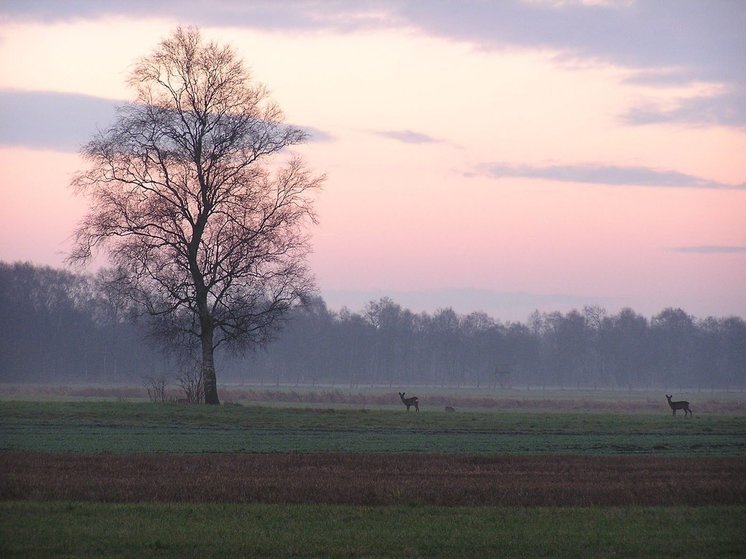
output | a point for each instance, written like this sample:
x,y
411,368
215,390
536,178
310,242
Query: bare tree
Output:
x,y
205,227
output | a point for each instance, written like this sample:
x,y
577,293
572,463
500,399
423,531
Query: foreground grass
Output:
x,y
218,530
122,427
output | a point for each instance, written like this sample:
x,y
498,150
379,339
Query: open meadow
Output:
x,y
333,478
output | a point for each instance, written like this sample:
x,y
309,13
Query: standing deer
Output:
x,y
682,405
413,401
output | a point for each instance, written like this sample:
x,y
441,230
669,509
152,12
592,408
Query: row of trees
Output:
x,y
56,326
387,344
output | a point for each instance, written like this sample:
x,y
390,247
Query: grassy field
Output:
x,y
123,427
121,479
222,530
431,398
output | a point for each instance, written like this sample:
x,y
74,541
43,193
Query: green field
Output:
x,y
219,530
123,427
118,432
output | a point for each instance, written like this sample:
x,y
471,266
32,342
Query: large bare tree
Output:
x,y
196,202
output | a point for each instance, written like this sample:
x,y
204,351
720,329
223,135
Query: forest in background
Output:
x,y
61,327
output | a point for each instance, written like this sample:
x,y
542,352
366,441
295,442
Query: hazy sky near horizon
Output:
x,y
497,156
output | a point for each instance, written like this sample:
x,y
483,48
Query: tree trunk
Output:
x,y
208,367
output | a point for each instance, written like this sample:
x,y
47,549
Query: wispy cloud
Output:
x,y
726,108
711,249
662,34
612,175
408,136
316,134
702,41
264,14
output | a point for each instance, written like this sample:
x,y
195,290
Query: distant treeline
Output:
x,y
57,326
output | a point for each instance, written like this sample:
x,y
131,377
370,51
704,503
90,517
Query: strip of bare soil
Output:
x,y
375,479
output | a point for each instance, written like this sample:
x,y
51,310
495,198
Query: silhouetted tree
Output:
x,y
674,339
206,237
624,344
393,331
56,326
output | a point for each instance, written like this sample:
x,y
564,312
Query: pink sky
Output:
x,y
484,156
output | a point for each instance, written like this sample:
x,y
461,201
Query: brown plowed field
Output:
x,y
375,479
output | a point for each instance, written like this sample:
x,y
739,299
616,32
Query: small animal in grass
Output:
x,y
450,409
681,405
409,402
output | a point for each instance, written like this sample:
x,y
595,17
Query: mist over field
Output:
x,y
60,327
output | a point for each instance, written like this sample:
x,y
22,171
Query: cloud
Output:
x,y
706,38
711,249
66,121
684,41
257,14
703,40
316,134
408,136
49,120
725,109
602,174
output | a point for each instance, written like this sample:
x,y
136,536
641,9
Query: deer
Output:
x,y
413,401
682,405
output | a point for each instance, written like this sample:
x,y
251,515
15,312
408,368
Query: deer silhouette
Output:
x,y
413,401
681,405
